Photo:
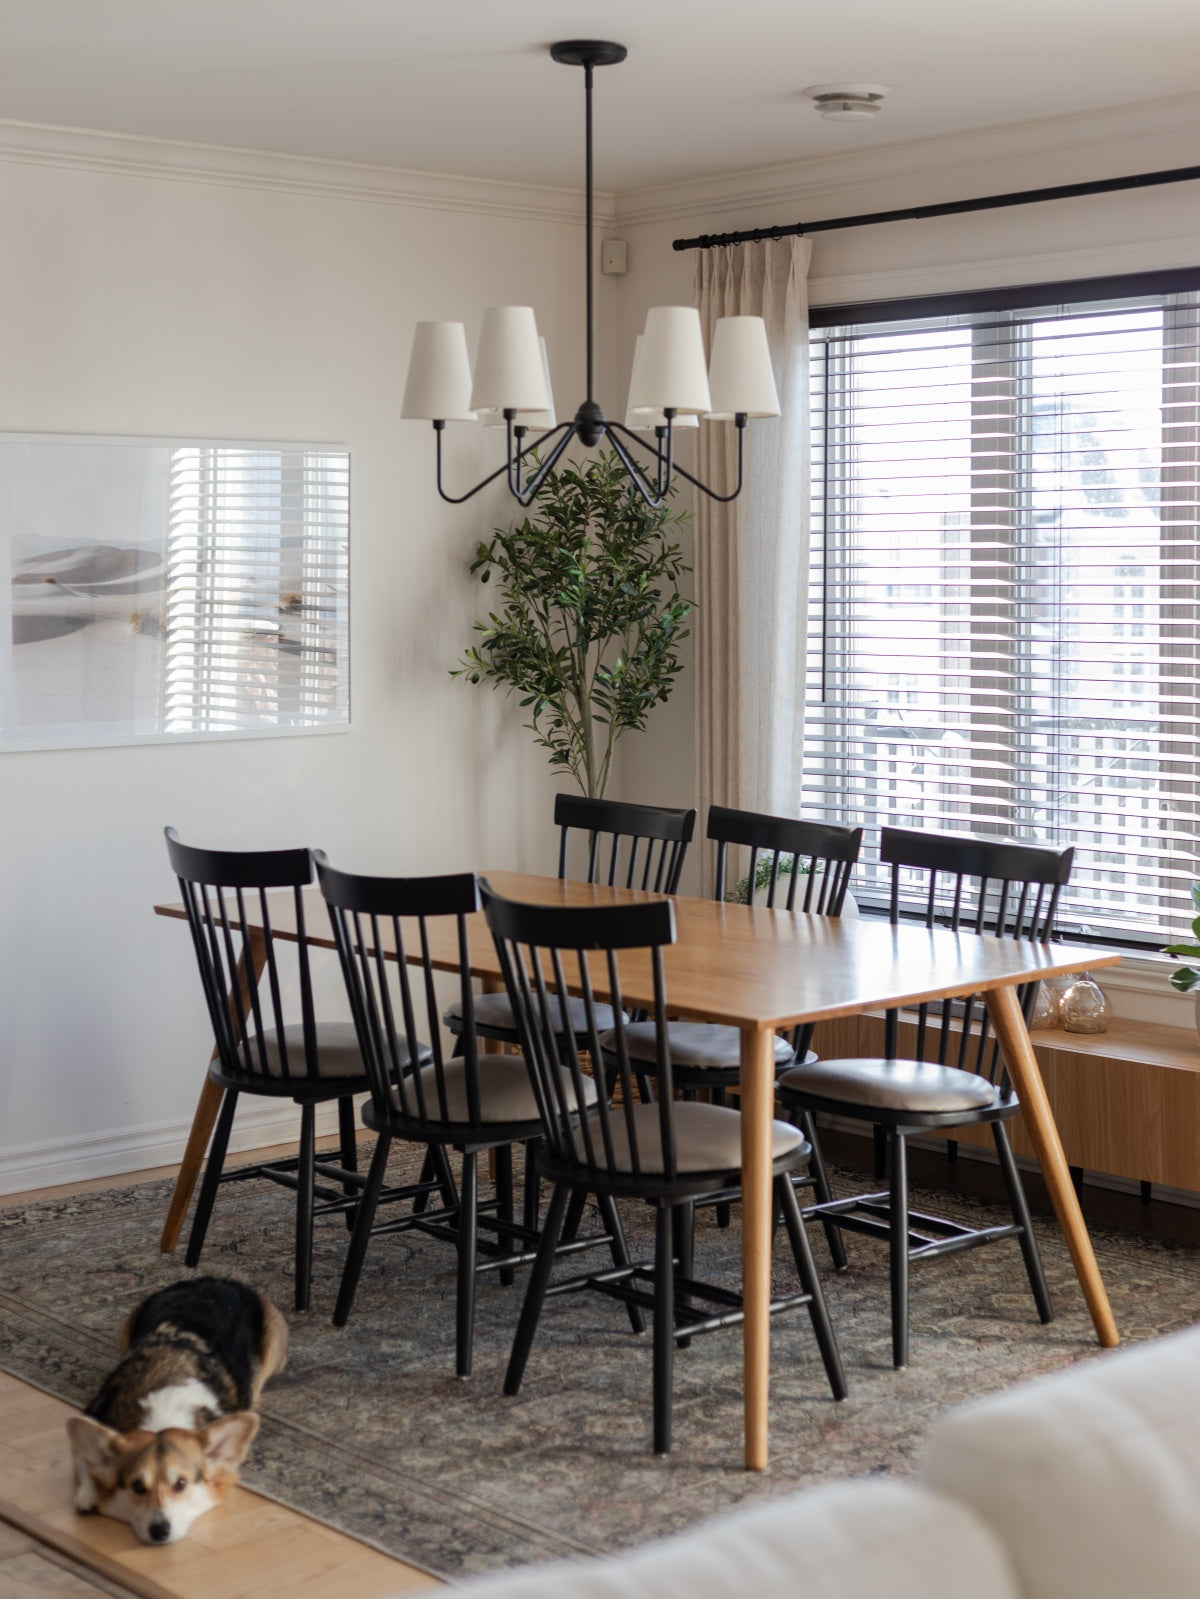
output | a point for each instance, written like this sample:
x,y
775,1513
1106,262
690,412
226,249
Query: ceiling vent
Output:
x,y
848,102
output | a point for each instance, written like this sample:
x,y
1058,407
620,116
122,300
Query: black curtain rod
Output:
x,y
947,208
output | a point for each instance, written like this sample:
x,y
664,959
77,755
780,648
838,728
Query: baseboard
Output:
x,y
116,1152
1094,1179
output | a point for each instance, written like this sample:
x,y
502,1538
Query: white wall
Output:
x,y
260,300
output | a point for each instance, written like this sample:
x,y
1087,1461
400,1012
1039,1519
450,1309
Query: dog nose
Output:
x,y
159,1530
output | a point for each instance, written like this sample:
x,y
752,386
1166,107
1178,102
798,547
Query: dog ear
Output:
x,y
227,1441
94,1445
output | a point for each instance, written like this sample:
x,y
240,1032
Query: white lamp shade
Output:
x,y
646,419
670,375
740,374
529,419
439,374
509,375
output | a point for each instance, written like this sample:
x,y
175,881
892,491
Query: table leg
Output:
x,y
758,1109
208,1106
1013,1037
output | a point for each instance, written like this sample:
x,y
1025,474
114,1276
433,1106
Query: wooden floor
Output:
x,y
250,1548
254,1549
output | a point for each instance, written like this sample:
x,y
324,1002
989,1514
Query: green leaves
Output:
x,y
1187,977
589,615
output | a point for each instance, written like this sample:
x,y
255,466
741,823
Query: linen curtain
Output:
x,y
751,558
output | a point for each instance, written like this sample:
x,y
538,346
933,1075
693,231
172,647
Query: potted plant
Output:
x,y
590,617
1186,978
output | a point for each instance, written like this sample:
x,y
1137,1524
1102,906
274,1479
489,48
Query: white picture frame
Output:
x,y
157,590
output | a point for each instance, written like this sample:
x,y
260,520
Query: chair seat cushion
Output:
x,y
708,1138
494,1010
692,1044
337,1051
505,1094
892,1085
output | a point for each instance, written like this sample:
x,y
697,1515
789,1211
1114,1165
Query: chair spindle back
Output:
x,y
546,952
627,846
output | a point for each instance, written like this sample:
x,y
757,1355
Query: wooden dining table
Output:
x,y
763,971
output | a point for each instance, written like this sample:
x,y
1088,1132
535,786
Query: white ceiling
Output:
x,y
467,86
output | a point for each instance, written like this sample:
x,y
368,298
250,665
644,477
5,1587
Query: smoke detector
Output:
x,y
848,102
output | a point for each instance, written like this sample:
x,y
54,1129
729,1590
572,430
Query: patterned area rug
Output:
x,y
369,1431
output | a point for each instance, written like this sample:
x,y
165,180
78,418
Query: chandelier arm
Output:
x,y
526,495
654,498
722,499
459,499
506,467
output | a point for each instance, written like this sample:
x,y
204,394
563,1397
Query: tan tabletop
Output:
x,y
759,970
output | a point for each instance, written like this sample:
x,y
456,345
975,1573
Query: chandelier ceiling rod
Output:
x,y
669,385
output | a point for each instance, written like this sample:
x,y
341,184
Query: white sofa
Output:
x,y
1084,1485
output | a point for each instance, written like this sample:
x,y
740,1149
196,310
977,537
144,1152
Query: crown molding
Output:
x,y
1123,140
82,149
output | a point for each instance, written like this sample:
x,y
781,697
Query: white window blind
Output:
x,y
257,579
1006,588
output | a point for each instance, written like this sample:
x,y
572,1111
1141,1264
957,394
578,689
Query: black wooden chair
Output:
x,y
469,1102
942,1067
665,1153
264,1046
600,841
792,865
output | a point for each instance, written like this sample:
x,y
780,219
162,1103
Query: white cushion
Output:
x,y
505,1094
849,1540
914,1085
692,1044
708,1138
494,1010
337,1051
1091,1477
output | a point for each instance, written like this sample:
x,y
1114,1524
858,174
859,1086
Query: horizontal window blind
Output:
x,y
1006,589
257,577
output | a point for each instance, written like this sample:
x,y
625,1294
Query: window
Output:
x,y
1005,585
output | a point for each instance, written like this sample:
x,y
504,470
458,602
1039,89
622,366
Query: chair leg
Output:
x,y
533,1187
535,1294
364,1220
951,1150
348,1139
468,1197
574,1215
1021,1216
619,1249
816,1165
899,1248
427,1168
724,1212
306,1176
683,1245
807,1271
504,1197
664,1328
212,1177
881,1143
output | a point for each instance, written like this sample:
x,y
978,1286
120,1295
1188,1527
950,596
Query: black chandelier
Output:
x,y
670,386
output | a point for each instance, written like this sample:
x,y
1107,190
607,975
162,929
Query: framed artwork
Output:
x,y
161,589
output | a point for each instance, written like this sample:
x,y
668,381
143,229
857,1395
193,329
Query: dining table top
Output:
x,y
742,965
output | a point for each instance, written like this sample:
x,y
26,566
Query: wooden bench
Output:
x,y
1127,1102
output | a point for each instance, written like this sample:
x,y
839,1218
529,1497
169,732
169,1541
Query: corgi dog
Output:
x,y
173,1421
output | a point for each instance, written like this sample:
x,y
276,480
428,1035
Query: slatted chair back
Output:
x,y
546,952
973,885
250,977
381,927
793,865
626,846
